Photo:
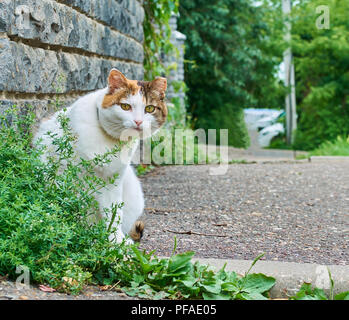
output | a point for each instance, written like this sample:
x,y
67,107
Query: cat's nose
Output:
x,y
138,122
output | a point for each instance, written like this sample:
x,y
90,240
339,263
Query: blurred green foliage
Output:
x,y
233,52
338,147
321,59
232,63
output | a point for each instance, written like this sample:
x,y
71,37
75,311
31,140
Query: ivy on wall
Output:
x,y
157,33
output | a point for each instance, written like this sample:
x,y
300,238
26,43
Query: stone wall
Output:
x,y
176,75
66,48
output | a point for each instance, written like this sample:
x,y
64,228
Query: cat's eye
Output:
x,y
149,109
125,106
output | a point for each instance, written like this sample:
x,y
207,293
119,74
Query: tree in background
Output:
x,y
232,63
321,59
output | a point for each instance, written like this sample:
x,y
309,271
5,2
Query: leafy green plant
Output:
x,y
45,211
178,277
307,292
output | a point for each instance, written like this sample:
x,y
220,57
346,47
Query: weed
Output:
x,y
307,292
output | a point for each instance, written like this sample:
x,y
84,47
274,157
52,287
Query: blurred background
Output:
x,y
275,73
236,58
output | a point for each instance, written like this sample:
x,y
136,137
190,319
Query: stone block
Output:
x,y
51,23
125,17
35,70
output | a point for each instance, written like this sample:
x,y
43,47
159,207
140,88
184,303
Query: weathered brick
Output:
x,y
129,21
27,69
53,23
133,6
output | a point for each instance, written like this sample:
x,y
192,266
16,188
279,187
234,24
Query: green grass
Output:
x,y
143,169
339,147
302,156
241,161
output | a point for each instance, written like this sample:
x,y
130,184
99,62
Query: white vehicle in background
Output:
x,y
268,133
265,122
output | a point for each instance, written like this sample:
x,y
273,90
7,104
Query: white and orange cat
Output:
x,y
98,120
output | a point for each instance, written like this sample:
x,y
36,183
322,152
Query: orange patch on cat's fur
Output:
x,y
119,87
111,99
114,98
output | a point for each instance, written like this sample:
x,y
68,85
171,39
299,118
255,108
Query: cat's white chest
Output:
x,y
94,142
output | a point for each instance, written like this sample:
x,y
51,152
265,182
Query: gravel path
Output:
x,y
296,212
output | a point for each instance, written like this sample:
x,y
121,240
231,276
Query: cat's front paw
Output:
x,y
136,232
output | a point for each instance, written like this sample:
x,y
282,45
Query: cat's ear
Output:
x,y
159,84
116,80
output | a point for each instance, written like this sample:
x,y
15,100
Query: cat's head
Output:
x,y
135,106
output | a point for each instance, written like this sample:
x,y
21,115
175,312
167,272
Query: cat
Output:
x,y
99,119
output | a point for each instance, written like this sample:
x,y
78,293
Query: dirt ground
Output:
x,y
296,212
10,291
